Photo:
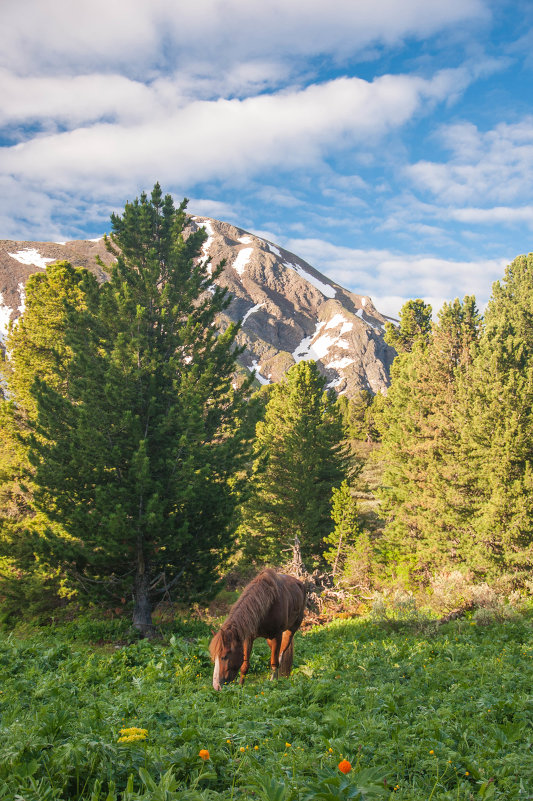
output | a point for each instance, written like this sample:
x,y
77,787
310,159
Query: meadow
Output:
x,y
435,712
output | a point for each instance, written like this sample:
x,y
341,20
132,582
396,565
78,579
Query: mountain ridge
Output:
x,y
288,310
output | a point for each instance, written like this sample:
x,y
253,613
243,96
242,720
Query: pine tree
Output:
x,y
300,456
344,513
497,429
138,445
354,414
415,325
426,527
38,351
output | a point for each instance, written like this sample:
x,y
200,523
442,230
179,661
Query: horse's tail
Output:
x,y
285,663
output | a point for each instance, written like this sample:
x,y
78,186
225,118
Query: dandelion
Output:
x,y
344,766
204,754
256,748
432,751
467,773
288,745
242,749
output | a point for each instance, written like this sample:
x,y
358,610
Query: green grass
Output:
x,y
448,715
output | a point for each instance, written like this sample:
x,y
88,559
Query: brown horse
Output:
x,y
272,605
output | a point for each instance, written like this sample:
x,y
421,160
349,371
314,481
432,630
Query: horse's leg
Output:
x,y
286,653
247,650
275,645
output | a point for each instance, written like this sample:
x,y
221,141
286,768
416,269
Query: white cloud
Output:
x,y
391,279
214,139
75,100
134,35
492,167
496,214
204,207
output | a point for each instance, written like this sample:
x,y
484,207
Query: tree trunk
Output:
x,y
337,556
142,610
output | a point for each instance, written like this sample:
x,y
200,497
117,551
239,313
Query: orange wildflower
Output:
x,y
204,754
344,766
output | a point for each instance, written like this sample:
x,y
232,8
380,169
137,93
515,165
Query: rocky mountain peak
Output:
x,y
289,311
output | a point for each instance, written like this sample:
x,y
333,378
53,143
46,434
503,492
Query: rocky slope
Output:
x,y
289,311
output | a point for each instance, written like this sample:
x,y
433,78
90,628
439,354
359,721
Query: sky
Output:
x,y
387,143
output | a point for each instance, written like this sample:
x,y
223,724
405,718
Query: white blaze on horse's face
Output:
x,y
227,665
216,675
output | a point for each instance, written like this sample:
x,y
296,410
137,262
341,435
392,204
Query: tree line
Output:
x,y
136,459
457,436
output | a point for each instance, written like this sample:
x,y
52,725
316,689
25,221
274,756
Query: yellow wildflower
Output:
x,y
132,734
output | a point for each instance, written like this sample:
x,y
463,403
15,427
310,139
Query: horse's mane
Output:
x,y
247,612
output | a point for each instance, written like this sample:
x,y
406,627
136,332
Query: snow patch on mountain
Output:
x,y
5,316
252,311
22,295
243,257
208,242
376,326
326,289
260,378
340,319
340,364
317,345
30,256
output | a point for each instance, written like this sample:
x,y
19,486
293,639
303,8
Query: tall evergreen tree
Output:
x,y
497,429
137,450
344,513
38,351
420,444
415,324
300,456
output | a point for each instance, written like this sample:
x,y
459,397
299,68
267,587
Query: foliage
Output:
x,y
344,513
300,456
355,415
415,325
31,580
496,427
427,480
442,715
457,429
137,433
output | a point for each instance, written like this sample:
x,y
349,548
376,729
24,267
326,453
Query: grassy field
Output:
x,y
445,714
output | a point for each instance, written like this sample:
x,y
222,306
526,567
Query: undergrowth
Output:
x,y
441,714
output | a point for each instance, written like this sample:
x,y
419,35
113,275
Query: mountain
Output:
x,y
289,311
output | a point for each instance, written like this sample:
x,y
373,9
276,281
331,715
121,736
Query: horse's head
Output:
x,y
227,653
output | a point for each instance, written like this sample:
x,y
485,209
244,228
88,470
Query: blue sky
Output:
x,y
388,143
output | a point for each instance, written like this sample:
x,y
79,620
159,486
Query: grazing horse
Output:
x,y
272,606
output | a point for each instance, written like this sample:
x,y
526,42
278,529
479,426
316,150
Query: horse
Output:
x,y
272,606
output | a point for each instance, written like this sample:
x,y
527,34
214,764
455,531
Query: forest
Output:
x,y
139,465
